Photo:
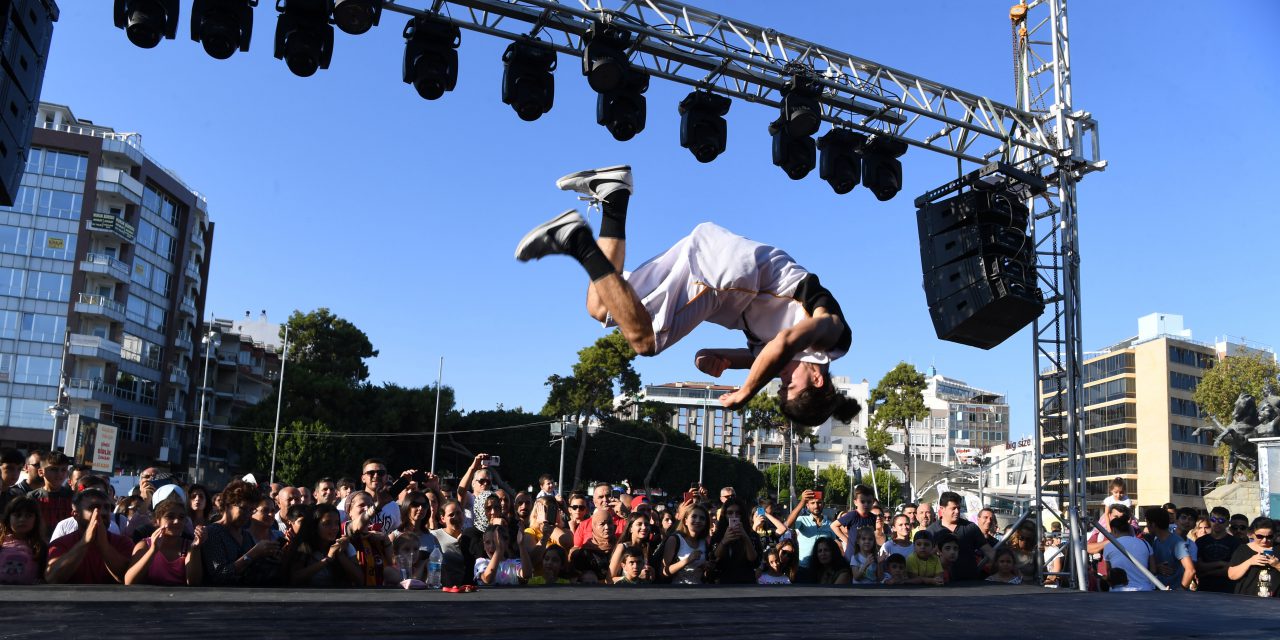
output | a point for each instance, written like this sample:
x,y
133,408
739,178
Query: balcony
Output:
x,y
105,265
111,225
179,377
174,412
91,389
90,346
93,304
170,449
192,271
113,183
187,307
183,343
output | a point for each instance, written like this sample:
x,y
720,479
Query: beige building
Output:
x,y
1140,418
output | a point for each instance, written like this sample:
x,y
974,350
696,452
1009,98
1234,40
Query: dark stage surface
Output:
x,y
986,610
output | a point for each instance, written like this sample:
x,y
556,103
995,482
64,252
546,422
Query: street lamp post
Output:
x,y
702,443
211,341
565,430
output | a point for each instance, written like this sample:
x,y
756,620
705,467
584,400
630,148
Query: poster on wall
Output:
x,y
104,449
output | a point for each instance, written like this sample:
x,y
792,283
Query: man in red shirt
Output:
x,y
91,555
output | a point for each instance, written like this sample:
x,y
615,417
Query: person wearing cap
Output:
x,y
90,555
143,530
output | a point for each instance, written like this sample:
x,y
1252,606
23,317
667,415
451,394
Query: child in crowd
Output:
x,y
553,563
895,571
633,562
1005,568
496,568
772,572
923,565
948,549
407,559
900,542
1118,495
22,547
865,564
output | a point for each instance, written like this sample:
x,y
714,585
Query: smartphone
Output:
x,y
491,461
759,511
689,495
817,495
1268,552
693,487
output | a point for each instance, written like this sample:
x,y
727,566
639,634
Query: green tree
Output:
x,y
602,372
329,346
835,483
778,479
1218,390
897,401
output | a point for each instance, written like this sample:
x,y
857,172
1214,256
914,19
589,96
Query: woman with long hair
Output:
x,y
415,518
684,554
543,531
231,557
1026,555
456,567
319,556
166,558
828,565
736,548
199,507
1250,560
23,546
637,536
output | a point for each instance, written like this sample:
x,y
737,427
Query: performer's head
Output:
x,y
808,397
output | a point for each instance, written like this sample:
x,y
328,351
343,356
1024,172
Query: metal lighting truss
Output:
x,y
1041,134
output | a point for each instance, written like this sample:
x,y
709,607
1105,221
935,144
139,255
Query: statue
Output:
x,y
1249,420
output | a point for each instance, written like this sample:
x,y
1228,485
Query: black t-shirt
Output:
x,y
1212,549
735,567
1248,583
971,539
812,295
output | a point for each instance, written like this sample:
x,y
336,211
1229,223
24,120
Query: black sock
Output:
x,y
613,223
585,250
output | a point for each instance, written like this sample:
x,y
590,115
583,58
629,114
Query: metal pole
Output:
x,y
435,429
60,407
204,394
791,460
564,435
275,440
702,443
871,464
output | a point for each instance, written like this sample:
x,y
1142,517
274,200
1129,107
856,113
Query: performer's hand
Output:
x,y
734,400
710,363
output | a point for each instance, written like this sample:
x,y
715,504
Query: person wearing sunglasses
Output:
x,y
577,510
385,516
477,482
1239,527
1252,559
1215,552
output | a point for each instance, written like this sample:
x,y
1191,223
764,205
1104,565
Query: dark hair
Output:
x,y
238,492
92,482
1157,517
1118,482
1221,511
909,505
167,505
53,458
1239,516
922,535
1169,506
633,552
945,537
89,493
9,455
345,483
1120,524
405,523
297,511
1006,551
369,461
814,405
36,539
322,481
863,490
947,498
722,522
1263,522
208,500
896,558
545,477
837,564
1189,512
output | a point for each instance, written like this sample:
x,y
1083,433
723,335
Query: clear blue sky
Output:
x,y
347,190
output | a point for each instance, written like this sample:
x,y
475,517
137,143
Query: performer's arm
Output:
x,y
713,362
822,330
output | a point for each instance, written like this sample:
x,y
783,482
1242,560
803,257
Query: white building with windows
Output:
x,y
963,420
102,281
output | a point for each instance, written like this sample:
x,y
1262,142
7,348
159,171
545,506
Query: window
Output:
x,y
36,370
160,282
11,281
1190,486
24,201
40,327
1184,356
1184,381
65,165
165,246
59,204
34,157
44,285
1182,407
1122,413
146,235
1109,366
8,324
141,272
135,389
1112,440
31,414
1108,391
1194,461
136,309
15,240
52,244
1183,433
157,317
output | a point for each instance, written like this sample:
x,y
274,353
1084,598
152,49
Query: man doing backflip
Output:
x,y
794,326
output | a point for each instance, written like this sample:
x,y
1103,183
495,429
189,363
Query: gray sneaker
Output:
x,y
598,183
550,237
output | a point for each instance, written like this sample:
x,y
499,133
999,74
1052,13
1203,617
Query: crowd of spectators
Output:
x,y
61,524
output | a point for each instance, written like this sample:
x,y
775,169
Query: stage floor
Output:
x,y
987,610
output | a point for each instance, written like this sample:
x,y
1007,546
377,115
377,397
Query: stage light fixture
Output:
x,y
357,16
703,129
527,81
800,109
604,57
147,21
840,164
304,37
222,26
431,55
881,169
623,111
797,155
